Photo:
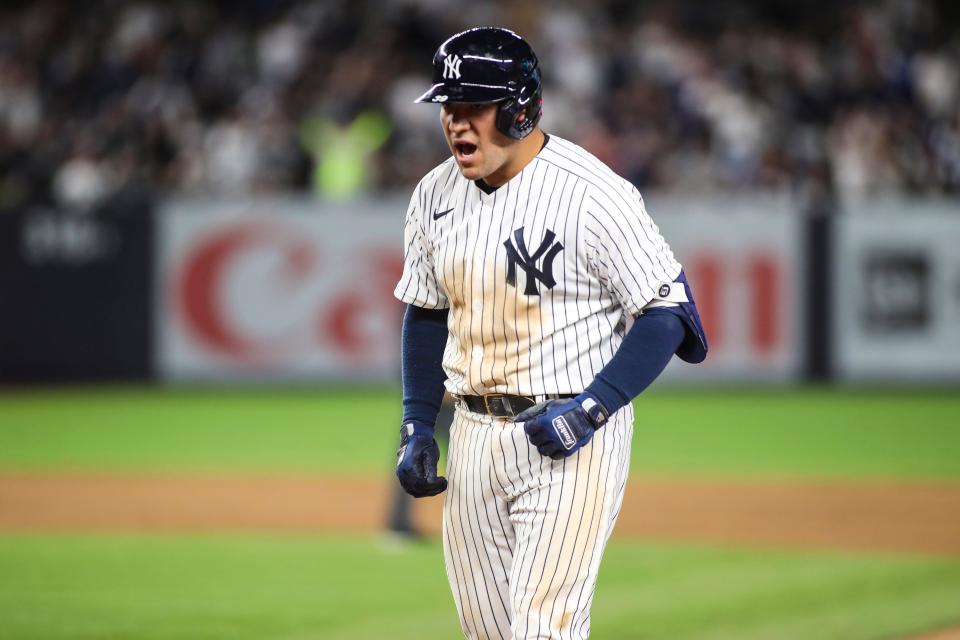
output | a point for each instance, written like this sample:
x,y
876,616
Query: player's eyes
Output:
x,y
474,107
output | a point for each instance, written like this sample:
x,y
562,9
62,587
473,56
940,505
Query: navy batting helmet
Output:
x,y
489,64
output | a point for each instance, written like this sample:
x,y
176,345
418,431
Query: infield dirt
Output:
x,y
822,515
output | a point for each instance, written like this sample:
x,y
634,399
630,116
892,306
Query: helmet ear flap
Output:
x,y
527,102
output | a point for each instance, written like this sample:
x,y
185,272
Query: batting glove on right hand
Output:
x,y
417,461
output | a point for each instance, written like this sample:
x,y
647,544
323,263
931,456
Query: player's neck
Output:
x,y
525,151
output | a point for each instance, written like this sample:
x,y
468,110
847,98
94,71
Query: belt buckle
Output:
x,y
490,411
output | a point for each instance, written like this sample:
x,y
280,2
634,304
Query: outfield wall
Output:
x,y
896,303
295,290
76,297
289,289
277,290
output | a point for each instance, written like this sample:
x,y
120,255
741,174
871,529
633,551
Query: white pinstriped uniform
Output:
x,y
540,276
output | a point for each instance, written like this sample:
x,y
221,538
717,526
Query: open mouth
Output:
x,y
464,150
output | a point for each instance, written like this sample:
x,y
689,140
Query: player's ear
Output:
x,y
521,117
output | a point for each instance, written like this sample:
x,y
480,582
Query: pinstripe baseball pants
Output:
x,y
523,535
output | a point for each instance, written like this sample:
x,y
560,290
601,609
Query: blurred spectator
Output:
x,y
245,97
341,148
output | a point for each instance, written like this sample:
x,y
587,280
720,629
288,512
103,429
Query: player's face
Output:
x,y
478,147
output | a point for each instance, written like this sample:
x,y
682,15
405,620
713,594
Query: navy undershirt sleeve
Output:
x,y
422,341
642,356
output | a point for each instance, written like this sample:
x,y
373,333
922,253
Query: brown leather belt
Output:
x,y
501,405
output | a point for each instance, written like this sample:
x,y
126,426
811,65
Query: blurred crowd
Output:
x,y
105,99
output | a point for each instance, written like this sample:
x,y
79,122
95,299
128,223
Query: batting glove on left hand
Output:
x,y
417,461
558,428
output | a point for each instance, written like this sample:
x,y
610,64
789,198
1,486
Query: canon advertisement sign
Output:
x,y
290,289
277,291
746,268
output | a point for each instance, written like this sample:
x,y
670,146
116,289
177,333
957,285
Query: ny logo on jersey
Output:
x,y
451,66
518,255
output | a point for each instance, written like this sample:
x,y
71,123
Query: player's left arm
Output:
x,y
629,257
559,427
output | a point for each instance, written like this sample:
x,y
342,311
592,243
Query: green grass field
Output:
x,y
253,588
55,586
781,433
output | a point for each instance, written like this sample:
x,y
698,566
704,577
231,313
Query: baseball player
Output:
x,y
542,296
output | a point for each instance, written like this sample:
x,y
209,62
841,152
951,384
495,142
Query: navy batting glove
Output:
x,y
417,461
557,428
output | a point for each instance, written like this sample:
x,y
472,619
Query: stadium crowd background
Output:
x,y
108,99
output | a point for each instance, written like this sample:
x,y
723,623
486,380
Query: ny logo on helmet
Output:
x,y
518,255
451,66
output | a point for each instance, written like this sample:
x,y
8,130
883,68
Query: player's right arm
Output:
x,y
422,341
419,285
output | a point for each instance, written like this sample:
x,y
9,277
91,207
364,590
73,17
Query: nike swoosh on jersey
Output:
x,y
439,214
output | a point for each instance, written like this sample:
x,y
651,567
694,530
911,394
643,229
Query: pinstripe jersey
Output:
x,y
539,274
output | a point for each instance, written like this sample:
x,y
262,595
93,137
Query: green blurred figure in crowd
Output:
x,y
341,149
